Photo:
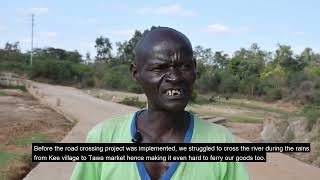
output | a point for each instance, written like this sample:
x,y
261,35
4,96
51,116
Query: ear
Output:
x,y
195,66
134,71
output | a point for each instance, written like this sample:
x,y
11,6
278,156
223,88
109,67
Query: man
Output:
x,y
165,68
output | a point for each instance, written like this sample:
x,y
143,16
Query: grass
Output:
x,y
237,114
2,93
241,117
13,165
70,125
312,113
133,101
6,157
21,87
246,111
252,105
34,138
246,119
200,99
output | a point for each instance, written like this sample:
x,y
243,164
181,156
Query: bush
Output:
x,y
194,96
63,72
58,72
20,87
273,94
312,112
119,77
83,74
135,88
14,67
2,93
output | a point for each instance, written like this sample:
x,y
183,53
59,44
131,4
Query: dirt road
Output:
x,y
89,111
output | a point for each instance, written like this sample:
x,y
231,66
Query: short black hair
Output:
x,y
144,43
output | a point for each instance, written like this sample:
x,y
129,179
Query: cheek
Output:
x,y
150,81
190,77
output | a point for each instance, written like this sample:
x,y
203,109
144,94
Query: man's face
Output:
x,y
167,74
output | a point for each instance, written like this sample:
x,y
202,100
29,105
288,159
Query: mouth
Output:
x,y
175,98
174,92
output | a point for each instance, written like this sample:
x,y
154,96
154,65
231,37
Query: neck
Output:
x,y
158,123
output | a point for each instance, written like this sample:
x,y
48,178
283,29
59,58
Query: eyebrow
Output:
x,y
158,63
157,60
160,58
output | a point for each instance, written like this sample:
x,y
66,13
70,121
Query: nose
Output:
x,y
173,76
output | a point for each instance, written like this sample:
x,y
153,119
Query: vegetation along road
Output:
x,y
88,111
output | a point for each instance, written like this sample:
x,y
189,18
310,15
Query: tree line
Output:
x,y
248,72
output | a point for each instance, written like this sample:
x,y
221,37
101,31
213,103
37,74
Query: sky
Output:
x,y
220,25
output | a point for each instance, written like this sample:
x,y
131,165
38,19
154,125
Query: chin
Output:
x,y
175,107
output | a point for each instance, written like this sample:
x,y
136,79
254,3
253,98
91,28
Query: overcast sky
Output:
x,y
220,25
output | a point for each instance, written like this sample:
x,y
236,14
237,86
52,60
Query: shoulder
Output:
x,y
110,129
205,131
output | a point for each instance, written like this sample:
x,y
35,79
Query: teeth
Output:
x,y
174,92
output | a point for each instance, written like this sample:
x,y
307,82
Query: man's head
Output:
x,y
165,68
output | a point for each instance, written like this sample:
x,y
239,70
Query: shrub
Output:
x,y
58,72
194,96
312,112
63,72
119,77
20,87
135,88
273,94
2,93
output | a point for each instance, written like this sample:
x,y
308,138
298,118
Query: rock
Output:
x,y
312,157
297,129
273,129
315,131
316,162
294,130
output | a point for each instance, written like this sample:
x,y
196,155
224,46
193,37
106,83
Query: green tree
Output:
x,y
307,56
276,76
247,65
204,55
88,58
12,47
51,53
104,47
314,71
12,59
284,57
221,59
125,50
229,83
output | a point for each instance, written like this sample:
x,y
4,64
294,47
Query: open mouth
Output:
x,y
174,92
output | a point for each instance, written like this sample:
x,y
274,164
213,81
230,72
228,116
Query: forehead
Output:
x,y
167,50
163,43
171,52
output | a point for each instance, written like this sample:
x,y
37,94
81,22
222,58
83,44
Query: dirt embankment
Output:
x,y
248,131
294,130
23,121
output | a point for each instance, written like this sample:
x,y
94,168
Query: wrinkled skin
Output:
x,y
164,60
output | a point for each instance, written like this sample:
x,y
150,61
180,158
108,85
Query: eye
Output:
x,y
185,66
159,67
156,69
